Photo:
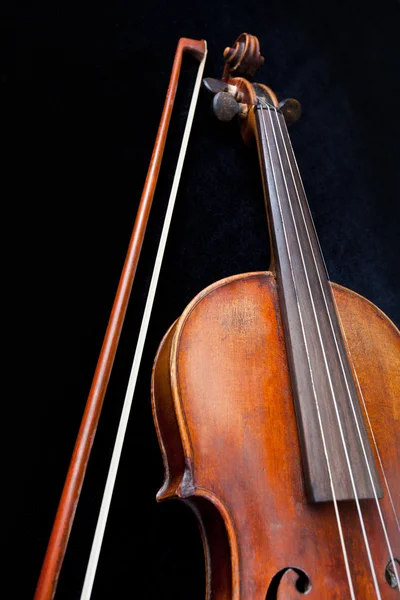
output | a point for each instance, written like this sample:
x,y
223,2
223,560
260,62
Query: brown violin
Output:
x,y
276,399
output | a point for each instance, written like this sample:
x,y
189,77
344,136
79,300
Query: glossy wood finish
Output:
x,y
225,418
243,58
58,541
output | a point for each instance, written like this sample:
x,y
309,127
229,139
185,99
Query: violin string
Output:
x,y
339,524
340,425
123,423
342,367
288,144
339,356
372,568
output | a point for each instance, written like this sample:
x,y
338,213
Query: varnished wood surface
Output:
x,y
226,424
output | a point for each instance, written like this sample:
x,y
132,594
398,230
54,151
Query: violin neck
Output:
x,y
337,459
283,185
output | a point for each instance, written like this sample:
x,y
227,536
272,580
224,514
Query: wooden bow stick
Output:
x,y
58,541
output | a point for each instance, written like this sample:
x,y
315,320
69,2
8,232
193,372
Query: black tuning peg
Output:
x,y
225,106
215,85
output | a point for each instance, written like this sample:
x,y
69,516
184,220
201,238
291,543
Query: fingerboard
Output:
x,y
337,458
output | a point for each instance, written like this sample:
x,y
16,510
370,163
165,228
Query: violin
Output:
x,y
276,398
275,394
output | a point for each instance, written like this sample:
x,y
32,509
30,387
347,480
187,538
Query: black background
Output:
x,y
84,108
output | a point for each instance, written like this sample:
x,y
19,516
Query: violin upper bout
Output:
x,y
226,424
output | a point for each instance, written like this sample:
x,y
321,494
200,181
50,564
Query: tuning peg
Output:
x,y
291,110
215,85
225,106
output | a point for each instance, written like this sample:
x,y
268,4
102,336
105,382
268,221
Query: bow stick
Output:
x,y
58,541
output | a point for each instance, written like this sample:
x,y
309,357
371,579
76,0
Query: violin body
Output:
x,y
226,424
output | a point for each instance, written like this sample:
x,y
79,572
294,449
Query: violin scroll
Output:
x,y
244,58
235,95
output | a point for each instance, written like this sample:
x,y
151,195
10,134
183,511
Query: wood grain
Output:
x,y
225,419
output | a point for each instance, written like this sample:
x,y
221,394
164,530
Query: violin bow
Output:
x,y
52,564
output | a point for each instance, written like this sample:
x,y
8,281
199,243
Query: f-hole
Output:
x,y
282,579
